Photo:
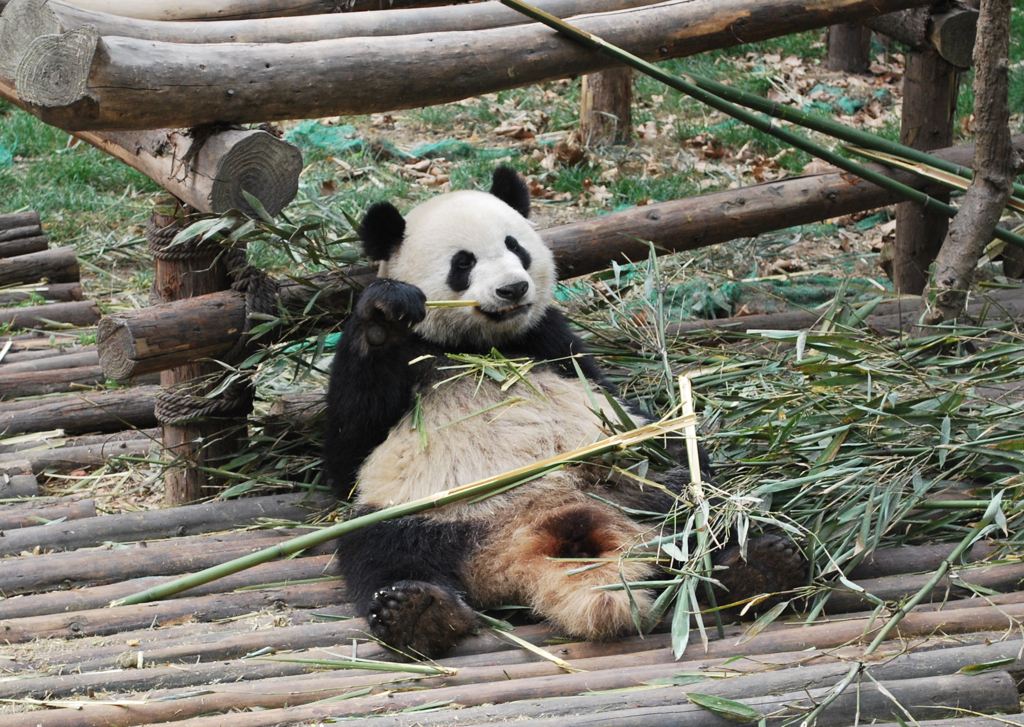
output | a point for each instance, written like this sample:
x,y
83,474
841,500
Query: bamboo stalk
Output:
x,y
719,102
483,488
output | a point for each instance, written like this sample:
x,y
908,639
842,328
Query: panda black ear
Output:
x,y
510,188
381,231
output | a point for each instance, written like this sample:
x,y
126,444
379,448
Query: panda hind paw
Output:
x,y
774,564
416,618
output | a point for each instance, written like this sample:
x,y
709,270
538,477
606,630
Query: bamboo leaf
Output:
x,y
762,622
986,666
727,708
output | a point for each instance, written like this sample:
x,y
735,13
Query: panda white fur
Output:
x,y
417,579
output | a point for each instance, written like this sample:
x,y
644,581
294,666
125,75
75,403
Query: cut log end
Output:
x,y
264,166
22,22
54,70
953,35
116,346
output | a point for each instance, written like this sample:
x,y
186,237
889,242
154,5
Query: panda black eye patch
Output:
x,y
524,257
461,266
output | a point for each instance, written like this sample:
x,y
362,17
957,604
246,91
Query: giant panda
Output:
x,y
401,424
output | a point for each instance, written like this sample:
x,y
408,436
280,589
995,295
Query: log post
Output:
x,y
930,85
183,272
849,48
606,101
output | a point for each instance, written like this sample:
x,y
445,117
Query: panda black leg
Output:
x,y
774,564
418,618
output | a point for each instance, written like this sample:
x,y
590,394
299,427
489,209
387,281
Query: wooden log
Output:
x,y
951,32
59,292
81,412
90,357
589,245
36,383
17,233
188,10
849,48
38,514
1014,720
33,574
266,166
606,107
300,409
23,245
98,88
48,382
19,219
889,318
58,265
152,524
21,444
930,88
69,459
169,334
99,597
942,695
106,621
37,354
913,559
1000,578
78,314
17,485
580,248
26,20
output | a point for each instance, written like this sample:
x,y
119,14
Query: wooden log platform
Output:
x,y
79,314
215,655
98,88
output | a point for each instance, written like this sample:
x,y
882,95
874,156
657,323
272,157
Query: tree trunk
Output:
x,y
930,87
606,103
849,48
995,165
97,86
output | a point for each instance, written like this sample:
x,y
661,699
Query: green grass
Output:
x,y
78,191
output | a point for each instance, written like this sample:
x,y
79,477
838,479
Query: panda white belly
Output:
x,y
472,430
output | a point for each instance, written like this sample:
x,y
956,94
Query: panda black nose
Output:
x,y
513,292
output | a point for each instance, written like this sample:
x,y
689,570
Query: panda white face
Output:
x,y
473,246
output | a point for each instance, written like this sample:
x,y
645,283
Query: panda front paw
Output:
x,y
387,310
417,618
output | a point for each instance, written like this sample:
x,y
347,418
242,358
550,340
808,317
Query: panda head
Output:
x,y
468,245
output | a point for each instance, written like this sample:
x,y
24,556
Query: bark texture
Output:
x,y
995,165
124,83
606,102
930,87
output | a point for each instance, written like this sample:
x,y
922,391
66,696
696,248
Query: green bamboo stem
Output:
x,y
483,488
761,124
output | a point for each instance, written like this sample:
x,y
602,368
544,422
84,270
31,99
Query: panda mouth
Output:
x,y
505,314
